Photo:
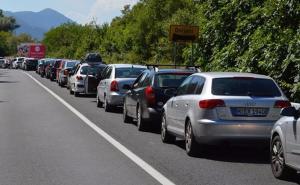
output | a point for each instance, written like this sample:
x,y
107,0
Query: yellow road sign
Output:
x,y
183,33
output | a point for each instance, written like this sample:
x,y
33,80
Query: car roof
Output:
x,y
127,65
231,74
161,71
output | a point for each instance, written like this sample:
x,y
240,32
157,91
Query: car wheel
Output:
x,y
140,121
166,137
71,91
126,118
99,103
76,94
107,106
191,145
279,168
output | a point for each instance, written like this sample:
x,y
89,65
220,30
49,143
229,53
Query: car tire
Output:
x,y
140,121
126,118
71,91
166,137
279,168
107,107
76,94
99,103
191,145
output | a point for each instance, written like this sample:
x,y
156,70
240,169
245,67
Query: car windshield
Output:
x,y
245,87
128,72
171,79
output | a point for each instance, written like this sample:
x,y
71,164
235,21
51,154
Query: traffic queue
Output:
x,y
202,108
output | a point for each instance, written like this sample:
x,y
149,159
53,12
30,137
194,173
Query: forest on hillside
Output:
x,y
9,41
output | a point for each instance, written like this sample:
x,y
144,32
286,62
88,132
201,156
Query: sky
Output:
x,y
80,11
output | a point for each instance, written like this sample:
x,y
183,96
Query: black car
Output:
x,y
93,78
30,64
148,94
53,68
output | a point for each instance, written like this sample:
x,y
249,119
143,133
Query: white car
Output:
x,y
78,80
285,144
18,62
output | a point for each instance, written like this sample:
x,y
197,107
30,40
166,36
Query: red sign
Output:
x,y
32,50
37,51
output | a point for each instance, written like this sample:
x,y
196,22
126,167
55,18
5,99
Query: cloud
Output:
x,y
103,10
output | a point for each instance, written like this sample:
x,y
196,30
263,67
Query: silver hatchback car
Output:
x,y
211,108
285,144
111,91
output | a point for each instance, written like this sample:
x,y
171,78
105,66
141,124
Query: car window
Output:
x,y
84,70
108,73
200,84
170,80
148,80
70,64
128,72
182,89
77,69
245,87
140,80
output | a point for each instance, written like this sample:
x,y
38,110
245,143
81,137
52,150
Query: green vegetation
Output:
x,y
8,41
260,36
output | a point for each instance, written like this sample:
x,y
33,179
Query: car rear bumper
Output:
x,y
116,99
151,114
210,132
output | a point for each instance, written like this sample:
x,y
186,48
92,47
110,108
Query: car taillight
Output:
x,y
212,103
79,78
66,72
150,95
114,86
282,104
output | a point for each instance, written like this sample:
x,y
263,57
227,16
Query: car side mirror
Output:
x,y
289,111
170,92
127,87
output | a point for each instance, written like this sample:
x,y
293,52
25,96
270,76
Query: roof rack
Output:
x,y
188,67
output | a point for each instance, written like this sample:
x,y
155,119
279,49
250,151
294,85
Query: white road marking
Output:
x,y
136,159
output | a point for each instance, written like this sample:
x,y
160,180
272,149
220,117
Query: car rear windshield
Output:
x,y
71,64
32,61
245,87
96,70
84,70
128,72
171,79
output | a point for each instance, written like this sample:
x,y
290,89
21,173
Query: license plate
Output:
x,y
249,111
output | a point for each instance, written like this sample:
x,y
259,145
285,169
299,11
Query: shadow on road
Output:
x,y
8,82
234,154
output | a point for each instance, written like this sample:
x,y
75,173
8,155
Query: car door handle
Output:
x,y
186,105
137,94
176,105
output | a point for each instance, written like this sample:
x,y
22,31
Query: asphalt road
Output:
x,y
43,142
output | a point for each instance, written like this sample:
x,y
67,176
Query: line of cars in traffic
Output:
x,y
202,108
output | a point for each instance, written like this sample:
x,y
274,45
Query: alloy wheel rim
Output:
x,y
163,128
138,118
277,157
188,139
124,112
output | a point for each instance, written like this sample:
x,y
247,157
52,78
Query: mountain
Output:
x,y
37,23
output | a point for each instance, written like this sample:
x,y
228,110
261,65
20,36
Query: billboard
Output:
x,y
32,50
